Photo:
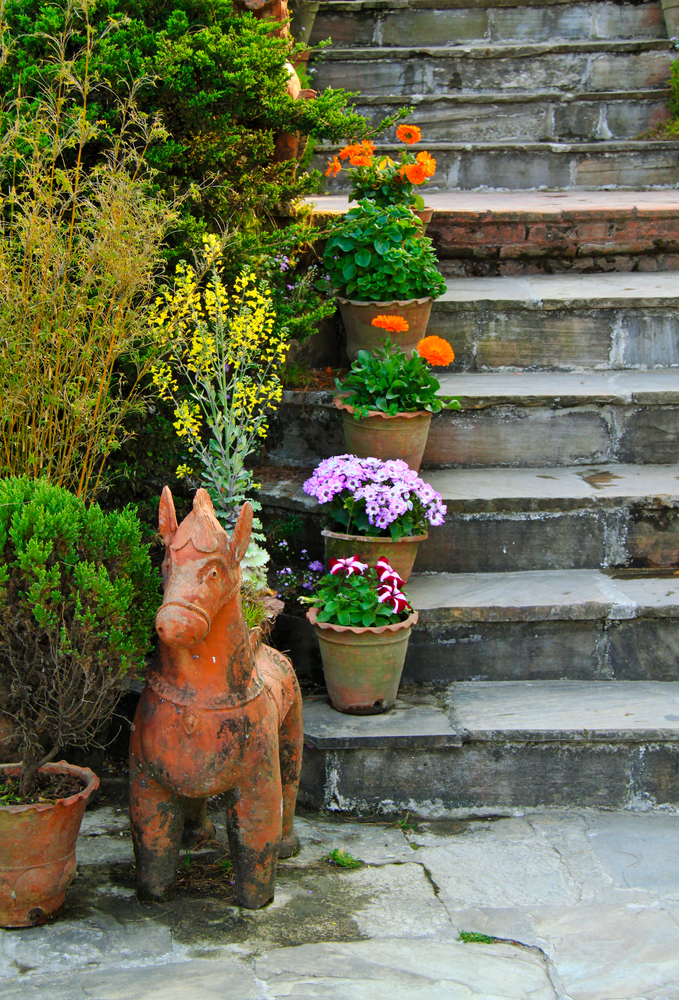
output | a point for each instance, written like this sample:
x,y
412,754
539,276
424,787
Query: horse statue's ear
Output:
x,y
240,539
167,516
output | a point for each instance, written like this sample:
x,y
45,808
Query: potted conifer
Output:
x,y
78,595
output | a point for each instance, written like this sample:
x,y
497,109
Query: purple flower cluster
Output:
x,y
389,490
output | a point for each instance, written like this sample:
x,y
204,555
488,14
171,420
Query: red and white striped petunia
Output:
x,y
350,565
394,598
386,575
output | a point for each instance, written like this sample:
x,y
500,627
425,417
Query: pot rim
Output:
x,y
312,614
408,414
328,533
56,767
391,302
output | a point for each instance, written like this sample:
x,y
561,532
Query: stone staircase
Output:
x,y
544,670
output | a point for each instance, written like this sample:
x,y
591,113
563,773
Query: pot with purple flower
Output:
x,y
362,619
376,509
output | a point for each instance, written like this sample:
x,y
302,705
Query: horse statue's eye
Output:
x,y
214,574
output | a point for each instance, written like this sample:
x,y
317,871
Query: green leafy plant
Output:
x,y
391,382
339,858
78,596
376,254
474,937
354,594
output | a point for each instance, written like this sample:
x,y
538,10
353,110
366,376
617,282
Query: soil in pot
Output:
x,y
401,436
37,847
362,336
48,788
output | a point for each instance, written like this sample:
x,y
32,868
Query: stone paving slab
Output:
x,y
482,389
566,710
539,289
542,595
405,725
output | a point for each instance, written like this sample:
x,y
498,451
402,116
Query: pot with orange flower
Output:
x,y
387,401
377,265
386,181
363,620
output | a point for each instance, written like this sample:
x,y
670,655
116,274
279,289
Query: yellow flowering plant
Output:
x,y
229,350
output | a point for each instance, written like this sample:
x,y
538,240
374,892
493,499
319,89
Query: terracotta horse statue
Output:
x,y
220,712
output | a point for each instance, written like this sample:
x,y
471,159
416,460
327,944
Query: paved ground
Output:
x,y
583,905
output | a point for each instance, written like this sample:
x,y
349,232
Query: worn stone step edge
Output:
x,y
596,146
357,6
464,716
514,97
543,595
509,491
493,50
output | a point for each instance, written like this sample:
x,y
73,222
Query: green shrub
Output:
x,y
78,597
374,254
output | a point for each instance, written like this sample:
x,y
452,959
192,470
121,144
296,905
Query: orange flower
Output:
x,y
428,162
436,351
360,160
348,151
334,167
364,150
416,173
408,134
393,324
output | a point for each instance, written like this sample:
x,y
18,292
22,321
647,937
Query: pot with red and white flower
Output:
x,y
375,509
388,398
362,619
379,265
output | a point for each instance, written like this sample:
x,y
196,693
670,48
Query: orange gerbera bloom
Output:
x,y
348,151
408,134
415,173
428,162
360,160
358,149
436,351
334,167
393,324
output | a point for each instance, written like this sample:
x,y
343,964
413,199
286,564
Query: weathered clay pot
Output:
x,y
400,554
379,435
362,336
362,666
424,215
37,849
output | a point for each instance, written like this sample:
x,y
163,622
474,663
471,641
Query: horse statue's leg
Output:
x,y
197,827
157,818
291,738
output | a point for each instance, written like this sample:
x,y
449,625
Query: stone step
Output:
x,y
582,66
512,520
529,419
614,320
522,744
528,118
426,22
540,625
540,232
531,166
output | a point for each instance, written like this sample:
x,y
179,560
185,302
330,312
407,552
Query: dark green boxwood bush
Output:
x,y
78,597
375,254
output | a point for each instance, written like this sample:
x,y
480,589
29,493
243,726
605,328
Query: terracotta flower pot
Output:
x,y
379,435
37,849
362,336
424,215
400,554
362,666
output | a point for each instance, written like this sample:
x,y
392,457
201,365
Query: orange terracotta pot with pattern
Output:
x,y
362,666
37,849
363,336
385,436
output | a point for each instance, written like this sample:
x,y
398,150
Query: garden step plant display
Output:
x,y
383,507
362,620
378,262
77,598
388,398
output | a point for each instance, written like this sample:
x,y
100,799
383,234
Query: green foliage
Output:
x,y
297,304
78,597
474,937
339,858
391,382
375,254
353,601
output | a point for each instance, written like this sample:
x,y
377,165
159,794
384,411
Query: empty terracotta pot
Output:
x,y
362,336
382,436
362,666
400,555
424,215
37,849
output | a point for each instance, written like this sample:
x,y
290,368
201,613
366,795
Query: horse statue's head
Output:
x,y
201,569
